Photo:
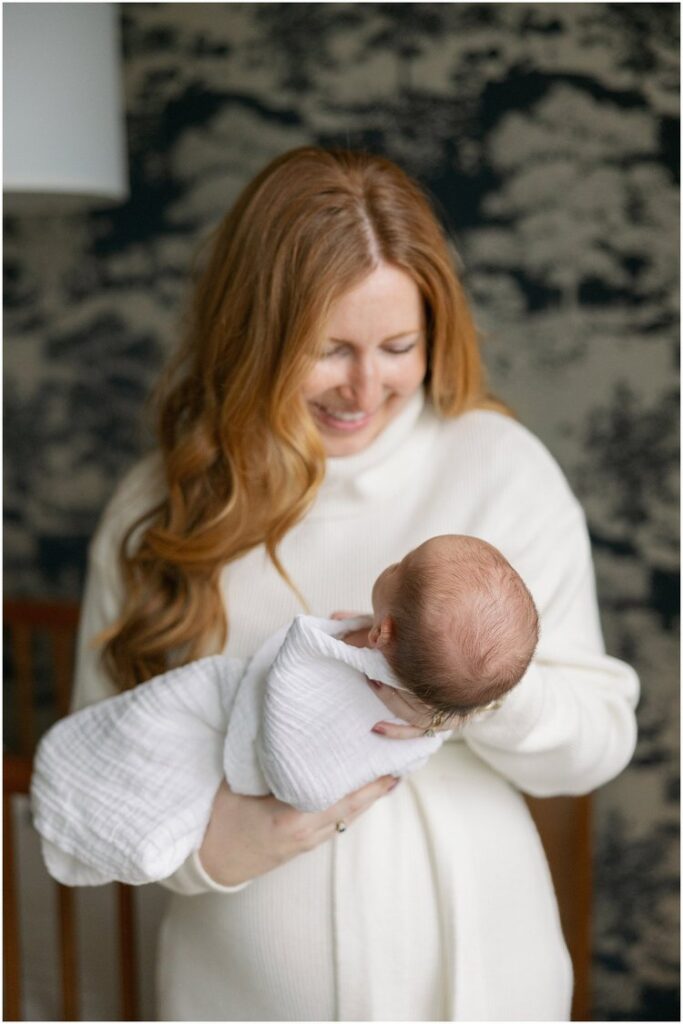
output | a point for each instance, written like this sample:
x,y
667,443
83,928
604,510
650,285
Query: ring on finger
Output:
x,y
340,826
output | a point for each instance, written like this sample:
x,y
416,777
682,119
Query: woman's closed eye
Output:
x,y
344,350
401,351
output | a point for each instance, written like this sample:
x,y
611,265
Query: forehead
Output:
x,y
384,303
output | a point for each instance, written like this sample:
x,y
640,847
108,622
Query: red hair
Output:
x,y
242,457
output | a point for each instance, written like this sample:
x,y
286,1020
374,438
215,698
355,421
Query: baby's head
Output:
x,y
455,622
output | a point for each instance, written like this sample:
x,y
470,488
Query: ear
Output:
x,y
381,633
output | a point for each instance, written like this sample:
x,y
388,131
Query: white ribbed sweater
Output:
x,y
437,903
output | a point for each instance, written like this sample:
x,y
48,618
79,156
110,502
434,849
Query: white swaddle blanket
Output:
x,y
125,787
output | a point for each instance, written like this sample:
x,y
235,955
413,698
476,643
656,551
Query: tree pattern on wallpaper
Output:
x,y
547,135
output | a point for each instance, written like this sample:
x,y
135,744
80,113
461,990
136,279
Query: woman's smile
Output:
x,y
346,421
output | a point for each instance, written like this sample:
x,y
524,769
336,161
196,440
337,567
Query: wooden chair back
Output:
x,y
564,825
39,646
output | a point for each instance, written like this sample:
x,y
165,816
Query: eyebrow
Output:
x,y
392,337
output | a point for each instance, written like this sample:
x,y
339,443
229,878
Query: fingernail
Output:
x,y
380,729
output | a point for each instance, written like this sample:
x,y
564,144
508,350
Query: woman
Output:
x,y
325,415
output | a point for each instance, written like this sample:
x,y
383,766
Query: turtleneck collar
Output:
x,y
354,482
346,467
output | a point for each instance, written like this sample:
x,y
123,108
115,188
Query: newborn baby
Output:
x,y
456,624
123,790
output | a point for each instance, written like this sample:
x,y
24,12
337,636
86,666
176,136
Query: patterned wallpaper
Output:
x,y
548,136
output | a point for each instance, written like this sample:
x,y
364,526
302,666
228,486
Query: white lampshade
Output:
x,y
64,130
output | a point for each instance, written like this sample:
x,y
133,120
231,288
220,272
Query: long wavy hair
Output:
x,y
242,457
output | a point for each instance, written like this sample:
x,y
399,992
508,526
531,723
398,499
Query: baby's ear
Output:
x,y
381,633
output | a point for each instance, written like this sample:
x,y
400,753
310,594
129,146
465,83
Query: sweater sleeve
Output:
x,y
101,602
569,724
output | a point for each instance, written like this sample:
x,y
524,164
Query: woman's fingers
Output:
x,y
398,732
357,802
409,708
417,716
250,835
306,830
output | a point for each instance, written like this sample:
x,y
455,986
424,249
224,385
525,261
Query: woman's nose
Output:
x,y
363,384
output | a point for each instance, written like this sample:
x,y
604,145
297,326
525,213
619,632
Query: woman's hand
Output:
x,y
250,835
410,709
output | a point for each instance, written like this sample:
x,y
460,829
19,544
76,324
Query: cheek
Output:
x,y
410,375
319,380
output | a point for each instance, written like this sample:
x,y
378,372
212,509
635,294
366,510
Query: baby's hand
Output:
x,y
346,615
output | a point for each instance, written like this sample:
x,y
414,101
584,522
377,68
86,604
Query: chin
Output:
x,y
337,447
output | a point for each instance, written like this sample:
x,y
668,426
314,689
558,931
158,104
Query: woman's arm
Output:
x,y
569,725
102,597
246,836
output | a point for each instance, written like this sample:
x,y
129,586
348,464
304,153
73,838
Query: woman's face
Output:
x,y
374,359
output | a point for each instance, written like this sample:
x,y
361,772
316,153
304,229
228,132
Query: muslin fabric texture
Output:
x,y
437,903
122,790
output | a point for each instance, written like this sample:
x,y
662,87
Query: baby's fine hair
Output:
x,y
465,626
